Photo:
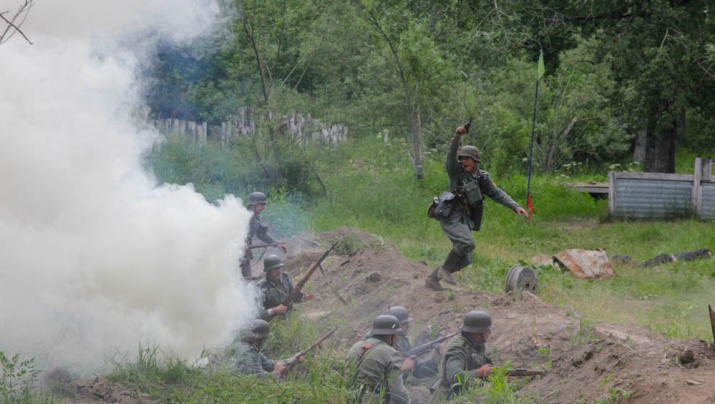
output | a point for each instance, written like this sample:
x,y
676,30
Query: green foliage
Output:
x,y
317,380
17,381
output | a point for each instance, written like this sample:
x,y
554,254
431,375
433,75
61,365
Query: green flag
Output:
x,y
542,70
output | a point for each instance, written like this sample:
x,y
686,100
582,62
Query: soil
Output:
x,y
584,363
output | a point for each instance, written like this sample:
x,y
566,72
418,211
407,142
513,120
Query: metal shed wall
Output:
x,y
707,210
654,195
645,197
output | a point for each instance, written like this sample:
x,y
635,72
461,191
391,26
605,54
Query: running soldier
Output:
x,y
468,184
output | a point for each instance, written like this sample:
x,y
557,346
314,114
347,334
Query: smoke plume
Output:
x,y
95,256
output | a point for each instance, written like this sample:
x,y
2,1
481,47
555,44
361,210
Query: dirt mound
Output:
x,y
366,275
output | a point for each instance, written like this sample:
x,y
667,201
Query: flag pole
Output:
x,y
539,74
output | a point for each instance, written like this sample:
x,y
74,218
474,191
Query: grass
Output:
x,y
371,185
375,191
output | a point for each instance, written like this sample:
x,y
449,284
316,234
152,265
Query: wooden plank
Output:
x,y
597,188
697,198
654,176
612,192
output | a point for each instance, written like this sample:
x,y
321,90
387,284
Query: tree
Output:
x,y
657,51
14,22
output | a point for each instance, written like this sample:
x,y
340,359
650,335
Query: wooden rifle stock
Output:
x,y
523,372
301,283
296,358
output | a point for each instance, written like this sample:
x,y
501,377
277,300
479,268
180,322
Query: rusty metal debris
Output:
x,y
586,264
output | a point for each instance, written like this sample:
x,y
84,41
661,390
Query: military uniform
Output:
x,y
260,231
462,356
423,368
466,215
377,372
276,292
246,358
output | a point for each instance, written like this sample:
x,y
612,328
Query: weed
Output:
x,y
17,381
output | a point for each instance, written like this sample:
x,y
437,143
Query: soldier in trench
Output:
x,y
257,202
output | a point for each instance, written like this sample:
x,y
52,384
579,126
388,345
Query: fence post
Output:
x,y
697,188
612,192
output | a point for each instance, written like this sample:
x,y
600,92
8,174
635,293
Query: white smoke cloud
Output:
x,y
95,257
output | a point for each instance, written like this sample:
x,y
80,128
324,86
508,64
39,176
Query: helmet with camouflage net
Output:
x,y
272,262
259,329
401,314
385,325
470,151
256,198
477,321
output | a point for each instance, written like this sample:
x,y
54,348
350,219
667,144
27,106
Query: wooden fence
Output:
x,y
654,195
301,127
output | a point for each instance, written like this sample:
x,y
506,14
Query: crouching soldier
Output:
x,y
465,359
412,366
376,366
245,356
276,288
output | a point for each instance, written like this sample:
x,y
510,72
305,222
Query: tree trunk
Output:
x,y
418,144
660,143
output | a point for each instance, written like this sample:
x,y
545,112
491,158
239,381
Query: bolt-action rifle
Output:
x,y
299,286
254,246
296,358
521,372
426,347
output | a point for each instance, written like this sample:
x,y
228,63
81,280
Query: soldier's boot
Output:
x,y
432,281
446,276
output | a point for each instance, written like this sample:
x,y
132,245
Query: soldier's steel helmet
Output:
x,y
385,325
401,314
477,321
257,198
272,262
470,151
259,329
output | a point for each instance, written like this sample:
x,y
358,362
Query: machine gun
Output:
x,y
426,347
296,358
296,292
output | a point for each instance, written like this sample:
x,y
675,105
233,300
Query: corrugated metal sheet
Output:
x,y
655,195
708,208
642,198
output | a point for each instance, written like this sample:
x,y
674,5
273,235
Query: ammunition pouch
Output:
x,y
442,206
472,192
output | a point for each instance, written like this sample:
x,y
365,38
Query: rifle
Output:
x,y
426,347
299,286
296,358
254,246
521,372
